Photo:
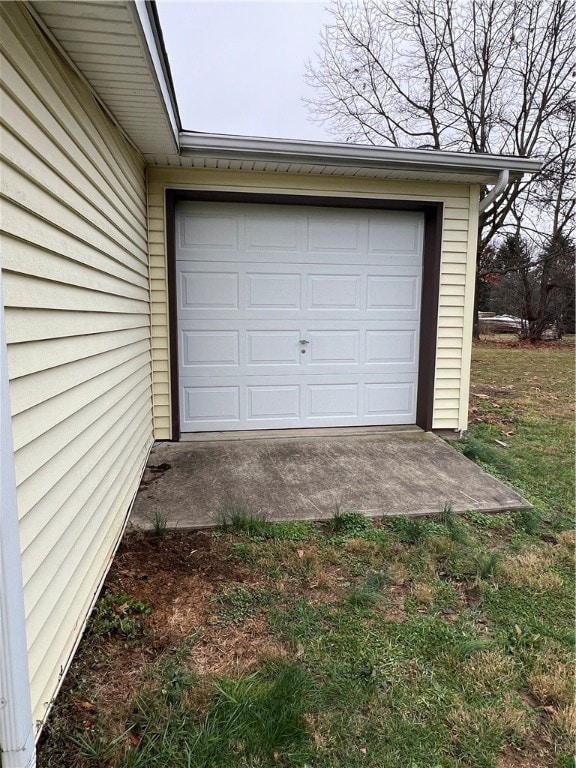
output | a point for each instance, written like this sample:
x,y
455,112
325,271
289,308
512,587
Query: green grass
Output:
x,y
443,642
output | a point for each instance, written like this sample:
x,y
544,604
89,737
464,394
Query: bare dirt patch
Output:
x,y
181,575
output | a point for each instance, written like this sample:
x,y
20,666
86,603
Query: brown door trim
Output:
x,y
433,214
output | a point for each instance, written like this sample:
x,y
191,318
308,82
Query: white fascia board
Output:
x,y
355,155
153,44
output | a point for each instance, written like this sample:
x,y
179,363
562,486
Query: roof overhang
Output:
x,y
350,159
117,47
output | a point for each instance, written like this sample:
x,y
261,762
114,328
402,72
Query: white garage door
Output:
x,y
296,317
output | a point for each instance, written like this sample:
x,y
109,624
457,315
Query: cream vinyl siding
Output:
x,y
457,270
74,255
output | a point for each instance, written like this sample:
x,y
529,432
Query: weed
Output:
x,y
294,530
422,593
468,646
476,732
98,749
348,523
408,529
237,518
447,515
175,678
563,723
452,525
237,605
160,524
486,564
265,711
528,520
490,521
369,592
119,615
363,549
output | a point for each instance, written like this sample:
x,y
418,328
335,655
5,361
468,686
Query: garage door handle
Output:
x,y
303,341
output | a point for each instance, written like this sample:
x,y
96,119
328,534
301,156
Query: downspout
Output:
x,y
16,727
499,187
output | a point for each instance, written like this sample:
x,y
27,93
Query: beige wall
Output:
x,y
457,270
76,282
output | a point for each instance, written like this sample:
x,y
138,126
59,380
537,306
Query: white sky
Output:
x,y
238,66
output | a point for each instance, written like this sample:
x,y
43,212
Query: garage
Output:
x,y
292,316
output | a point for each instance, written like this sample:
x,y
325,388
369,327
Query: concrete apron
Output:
x,y
407,472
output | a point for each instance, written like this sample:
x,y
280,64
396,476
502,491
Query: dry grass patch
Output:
x,y
531,569
489,670
300,560
566,548
365,550
235,650
502,722
563,721
567,540
397,573
108,697
552,679
393,610
423,593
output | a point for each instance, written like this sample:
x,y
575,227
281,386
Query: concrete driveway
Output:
x,y
189,484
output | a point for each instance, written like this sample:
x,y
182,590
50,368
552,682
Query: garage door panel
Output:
x,y
314,291
210,348
332,347
209,231
208,290
334,292
393,293
266,290
335,234
207,404
384,399
333,400
391,346
237,403
395,239
297,317
274,233
272,348
213,347
273,401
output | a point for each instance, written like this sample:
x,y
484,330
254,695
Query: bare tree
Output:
x,y
540,288
472,75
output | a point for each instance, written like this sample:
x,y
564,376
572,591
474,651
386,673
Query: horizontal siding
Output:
x,y
93,554
457,267
76,291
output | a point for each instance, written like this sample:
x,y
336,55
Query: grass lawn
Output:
x,y
403,643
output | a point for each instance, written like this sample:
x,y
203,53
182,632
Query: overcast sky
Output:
x,y
238,67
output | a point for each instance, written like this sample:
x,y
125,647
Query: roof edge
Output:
x,y
367,156
146,15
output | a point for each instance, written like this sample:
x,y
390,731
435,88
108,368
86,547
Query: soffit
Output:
x,y
114,45
225,152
